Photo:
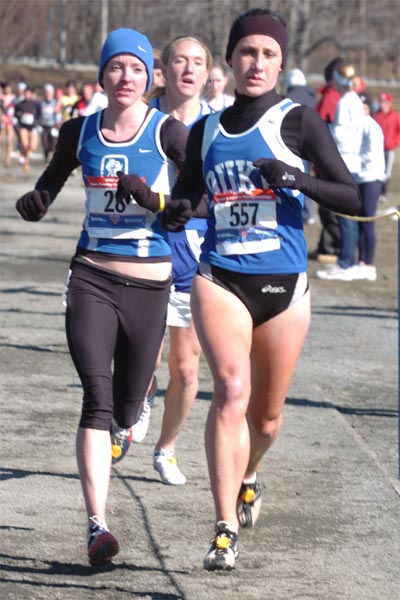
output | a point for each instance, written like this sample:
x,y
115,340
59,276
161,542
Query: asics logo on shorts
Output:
x,y
270,289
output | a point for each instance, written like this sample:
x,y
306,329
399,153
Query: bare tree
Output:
x,y
72,31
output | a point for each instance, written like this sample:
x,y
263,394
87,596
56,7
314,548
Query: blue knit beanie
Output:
x,y
127,41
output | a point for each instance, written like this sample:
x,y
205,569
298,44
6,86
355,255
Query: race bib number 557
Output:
x,y
245,222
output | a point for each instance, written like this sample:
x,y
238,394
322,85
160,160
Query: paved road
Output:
x,y
329,528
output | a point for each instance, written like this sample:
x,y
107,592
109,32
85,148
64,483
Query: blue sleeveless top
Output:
x,y
252,229
121,228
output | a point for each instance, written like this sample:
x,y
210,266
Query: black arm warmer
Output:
x,y
64,159
303,131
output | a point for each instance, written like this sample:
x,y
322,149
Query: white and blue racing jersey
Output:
x,y
251,229
123,228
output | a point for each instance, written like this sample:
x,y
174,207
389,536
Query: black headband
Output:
x,y
258,25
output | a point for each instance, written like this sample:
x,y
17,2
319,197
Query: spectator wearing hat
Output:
x,y
298,91
297,88
347,131
389,120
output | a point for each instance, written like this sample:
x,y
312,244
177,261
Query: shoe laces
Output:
x,y
145,412
167,455
97,523
121,433
248,492
224,538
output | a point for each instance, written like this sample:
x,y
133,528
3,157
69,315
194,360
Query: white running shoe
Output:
x,y
223,551
367,272
141,427
336,273
165,464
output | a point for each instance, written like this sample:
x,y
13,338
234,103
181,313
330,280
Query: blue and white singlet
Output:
x,y
117,227
252,229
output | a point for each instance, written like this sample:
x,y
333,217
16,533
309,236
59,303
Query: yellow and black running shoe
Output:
x,y
224,549
249,504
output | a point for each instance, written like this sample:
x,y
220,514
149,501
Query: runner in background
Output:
x,y
158,75
7,116
186,64
214,92
67,100
27,113
48,121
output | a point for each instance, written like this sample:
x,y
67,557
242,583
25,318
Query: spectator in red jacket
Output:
x,y
326,106
389,120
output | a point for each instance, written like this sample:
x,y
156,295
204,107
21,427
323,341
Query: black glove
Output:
x,y
177,213
278,174
33,205
131,186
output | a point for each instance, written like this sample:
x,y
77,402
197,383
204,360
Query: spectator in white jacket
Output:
x,y
347,130
370,180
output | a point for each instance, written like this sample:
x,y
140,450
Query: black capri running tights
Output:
x,y
114,325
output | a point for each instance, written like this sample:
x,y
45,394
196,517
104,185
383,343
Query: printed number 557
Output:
x,y
243,213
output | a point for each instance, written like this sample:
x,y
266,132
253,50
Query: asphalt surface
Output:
x,y
329,528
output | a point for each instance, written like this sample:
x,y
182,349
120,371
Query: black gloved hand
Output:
x,y
131,186
33,205
177,213
278,174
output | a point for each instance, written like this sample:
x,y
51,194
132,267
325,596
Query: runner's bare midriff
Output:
x,y
157,271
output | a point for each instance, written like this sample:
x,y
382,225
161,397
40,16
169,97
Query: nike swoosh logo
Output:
x,y
144,151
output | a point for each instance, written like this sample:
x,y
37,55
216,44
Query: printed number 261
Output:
x,y
113,205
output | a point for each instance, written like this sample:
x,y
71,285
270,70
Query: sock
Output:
x,y
251,479
231,527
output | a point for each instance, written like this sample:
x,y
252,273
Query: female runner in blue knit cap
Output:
x,y
121,272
